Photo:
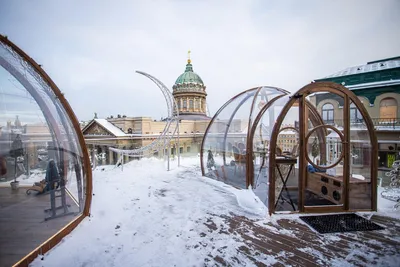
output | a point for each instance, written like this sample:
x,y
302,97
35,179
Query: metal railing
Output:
x,y
386,123
379,123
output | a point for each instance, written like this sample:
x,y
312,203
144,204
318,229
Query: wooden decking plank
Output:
x,y
338,246
304,242
279,243
295,258
376,235
265,247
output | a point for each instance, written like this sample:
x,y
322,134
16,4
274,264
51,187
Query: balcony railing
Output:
x,y
386,123
379,123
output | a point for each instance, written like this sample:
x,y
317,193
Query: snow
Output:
x,y
373,66
385,206
388,128
110,127
37,175
147,216
358,176
288,132
25,180
152,217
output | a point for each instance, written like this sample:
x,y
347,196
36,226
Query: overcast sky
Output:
x,y
91,49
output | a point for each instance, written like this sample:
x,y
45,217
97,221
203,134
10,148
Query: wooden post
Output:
x,y
346,151
303,121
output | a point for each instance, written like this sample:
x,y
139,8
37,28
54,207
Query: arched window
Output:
x,y
184,104
355,115
327,113
191,104
388,108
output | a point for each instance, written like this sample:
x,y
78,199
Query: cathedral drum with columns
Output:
x,y
190,94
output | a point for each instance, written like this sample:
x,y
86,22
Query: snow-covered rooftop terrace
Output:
x,y
146,216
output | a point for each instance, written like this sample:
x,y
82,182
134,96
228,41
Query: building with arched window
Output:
x,y
328,113
388,108
377,85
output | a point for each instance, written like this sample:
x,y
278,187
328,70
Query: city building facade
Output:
x,y
377,85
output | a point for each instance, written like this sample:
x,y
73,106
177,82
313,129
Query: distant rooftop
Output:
x,y
382,64
194,117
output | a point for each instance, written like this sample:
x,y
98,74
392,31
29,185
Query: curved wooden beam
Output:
x,y
85,157
249,160
226,130
348,96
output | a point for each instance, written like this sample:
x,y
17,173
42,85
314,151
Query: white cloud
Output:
x,y
92,49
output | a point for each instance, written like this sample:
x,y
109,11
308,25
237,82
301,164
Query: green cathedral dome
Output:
x,y
189,76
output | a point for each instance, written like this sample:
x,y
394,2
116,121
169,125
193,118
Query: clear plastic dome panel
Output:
x,y
261,147
224,143
360,161
45,181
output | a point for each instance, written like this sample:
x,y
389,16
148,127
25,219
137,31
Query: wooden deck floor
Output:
x,y
22,224
289,242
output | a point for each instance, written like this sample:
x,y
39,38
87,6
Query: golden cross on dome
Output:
x,y
189,57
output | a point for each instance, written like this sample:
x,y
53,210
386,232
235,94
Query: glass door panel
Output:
x,y
324,182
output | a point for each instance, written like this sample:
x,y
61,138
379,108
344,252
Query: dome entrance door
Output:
x,y
324,163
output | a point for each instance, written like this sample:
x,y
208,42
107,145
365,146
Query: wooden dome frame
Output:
x,y
51,121
349,97
309,111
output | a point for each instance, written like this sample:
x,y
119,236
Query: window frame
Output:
x,y
328,112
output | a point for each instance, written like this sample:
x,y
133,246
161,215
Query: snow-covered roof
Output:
x,y
373,66
110,127
373,84
288,132
333,134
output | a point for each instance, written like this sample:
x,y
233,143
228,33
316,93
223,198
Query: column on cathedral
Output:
x,y
200,105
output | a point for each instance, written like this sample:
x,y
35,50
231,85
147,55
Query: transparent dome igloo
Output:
x,y
45,177
297,153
